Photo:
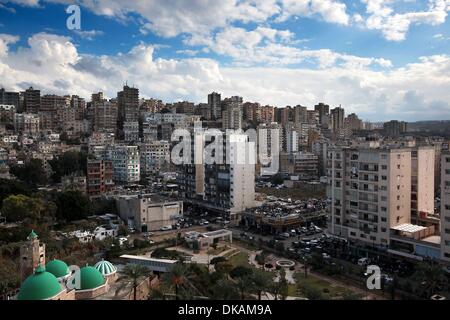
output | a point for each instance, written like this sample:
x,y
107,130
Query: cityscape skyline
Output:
x,y
361,55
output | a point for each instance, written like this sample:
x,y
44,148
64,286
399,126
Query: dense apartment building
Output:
x,y
337,119
105,115
300,114
306,166
232,114
215,105
126,164
99,178
370,191
422,183
184,107
128,105
7,112
230,186
49,108
131,131
394,128
445,206
155,155
324,111
26,124
9,98
31,100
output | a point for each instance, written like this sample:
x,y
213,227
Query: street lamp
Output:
x,y
365,285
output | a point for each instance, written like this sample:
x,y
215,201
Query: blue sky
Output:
x,y
375,57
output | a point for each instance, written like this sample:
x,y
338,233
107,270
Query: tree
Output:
x,y
67,163
134,272
178,278
20,207
10,187
430,276
32,172
280,287
244,284
224,289
260,280
240,272
217,260
73,205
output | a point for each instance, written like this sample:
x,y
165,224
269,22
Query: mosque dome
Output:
x,y
90,278
42,285
58,268
105,267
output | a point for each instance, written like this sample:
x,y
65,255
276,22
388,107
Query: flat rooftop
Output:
x,y
433,239
410,228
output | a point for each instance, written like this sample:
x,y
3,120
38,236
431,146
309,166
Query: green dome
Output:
x,y
58,268
105,267
41,285
90,278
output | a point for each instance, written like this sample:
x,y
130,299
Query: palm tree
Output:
x,y
134,272
260,282
225,289
430,276
182,277
244,284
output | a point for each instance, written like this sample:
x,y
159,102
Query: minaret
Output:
x,y
32,254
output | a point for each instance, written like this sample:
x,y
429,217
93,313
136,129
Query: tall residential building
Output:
x,y
306,166
324,111
394,128
49,108
155,156
79,105
128,105
9,98
126,164
97,97
370,191
290,139
445,206
422,183
214,103
353,123
26,124
99,177
300,114
270,143
337,119
32,100
232,115
230,186
184,107
267,114
105,116
131,131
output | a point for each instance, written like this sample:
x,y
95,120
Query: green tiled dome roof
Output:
x,y
58,268
105,267
41,285
90,278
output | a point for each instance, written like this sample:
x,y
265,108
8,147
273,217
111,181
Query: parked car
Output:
x,y
166,228
363,262
285,235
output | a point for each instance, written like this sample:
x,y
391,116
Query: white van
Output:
x,y
363,262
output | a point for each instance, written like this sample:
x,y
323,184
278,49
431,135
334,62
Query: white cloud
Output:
x,y
52,63
89,34
277,47
329,10
27,3
394,26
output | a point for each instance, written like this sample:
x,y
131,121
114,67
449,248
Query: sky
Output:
x,y
382,59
